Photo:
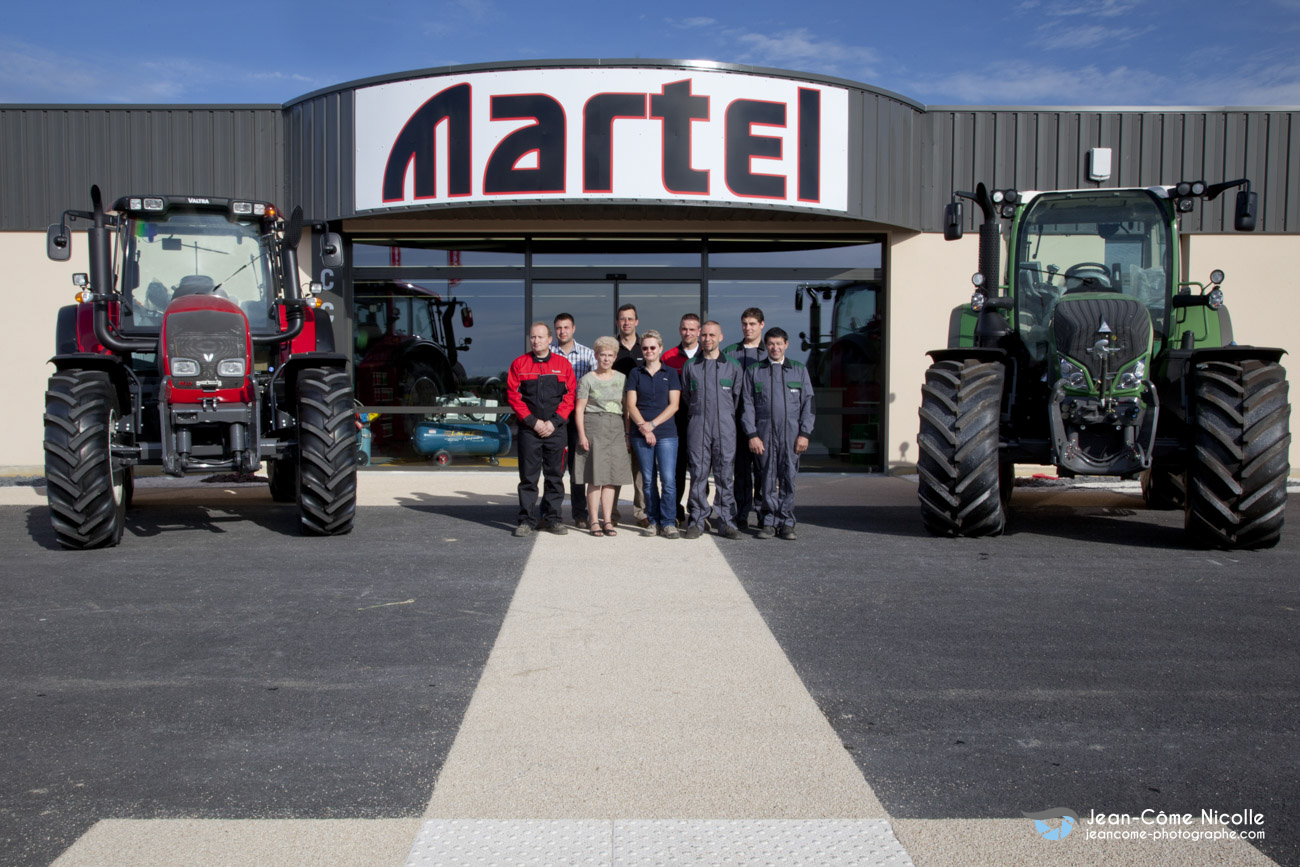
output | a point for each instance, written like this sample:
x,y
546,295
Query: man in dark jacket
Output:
x,y
541,388
777,421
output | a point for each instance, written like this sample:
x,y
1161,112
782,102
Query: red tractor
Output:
x,y
192,348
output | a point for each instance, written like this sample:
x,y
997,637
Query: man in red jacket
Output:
x,y
540,388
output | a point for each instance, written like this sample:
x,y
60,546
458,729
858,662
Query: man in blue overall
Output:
x,y
777,421
712,392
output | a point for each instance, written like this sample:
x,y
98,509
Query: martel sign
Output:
x,y
591,134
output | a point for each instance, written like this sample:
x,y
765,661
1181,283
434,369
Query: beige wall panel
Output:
x,y
928,276
1262,290
33,288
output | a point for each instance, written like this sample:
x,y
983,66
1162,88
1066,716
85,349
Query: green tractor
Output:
x,y
1091,354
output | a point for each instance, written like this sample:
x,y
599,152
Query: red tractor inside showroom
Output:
x,y
192,348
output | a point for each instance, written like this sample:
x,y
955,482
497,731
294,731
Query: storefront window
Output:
x,y
430,347
439,253
836,329
752,253
431,351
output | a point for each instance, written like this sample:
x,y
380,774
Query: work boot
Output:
x,y
555,527
580,523
730,532
693,532
765,532
523,530
787,533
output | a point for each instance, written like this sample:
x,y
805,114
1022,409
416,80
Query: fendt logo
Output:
x,y
626,134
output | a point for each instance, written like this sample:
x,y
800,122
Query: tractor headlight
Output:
x,y
1133,377
1073,375
231,367
184,367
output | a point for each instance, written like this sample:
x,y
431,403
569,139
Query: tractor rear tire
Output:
x,y
961,478
282,474
87,492
327,452
1241,437
1163,489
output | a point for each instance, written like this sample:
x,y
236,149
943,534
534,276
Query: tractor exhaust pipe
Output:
x,y
99,238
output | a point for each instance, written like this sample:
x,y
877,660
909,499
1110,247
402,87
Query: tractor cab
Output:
x,y
185,246
1081,243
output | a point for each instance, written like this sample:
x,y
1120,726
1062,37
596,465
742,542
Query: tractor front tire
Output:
x,y
327,452
1241,437
87,493
961,478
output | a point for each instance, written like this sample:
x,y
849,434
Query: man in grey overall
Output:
x,y
777,420
712,385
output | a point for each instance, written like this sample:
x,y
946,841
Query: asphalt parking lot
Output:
x,y
217,665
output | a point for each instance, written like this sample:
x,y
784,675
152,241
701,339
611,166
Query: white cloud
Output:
x,y
1025,83
691,23
801,49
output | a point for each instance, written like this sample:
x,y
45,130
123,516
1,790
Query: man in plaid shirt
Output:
x,y
583,361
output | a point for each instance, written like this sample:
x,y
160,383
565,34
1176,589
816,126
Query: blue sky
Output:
x,y
1019,52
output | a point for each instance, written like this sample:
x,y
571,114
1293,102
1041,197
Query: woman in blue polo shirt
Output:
x,y
653,392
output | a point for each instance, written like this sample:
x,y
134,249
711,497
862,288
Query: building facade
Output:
x,y
474,200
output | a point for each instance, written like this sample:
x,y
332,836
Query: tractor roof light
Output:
x,y
1182,189
242,207
1186,204
135,204
977,301
1214,298
1216,276
1198,188
977,279
153,203
80,279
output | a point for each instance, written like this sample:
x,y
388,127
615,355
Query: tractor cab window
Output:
x,y
184,252
1091,241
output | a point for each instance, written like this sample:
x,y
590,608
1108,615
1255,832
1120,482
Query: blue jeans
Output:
x,y
659,459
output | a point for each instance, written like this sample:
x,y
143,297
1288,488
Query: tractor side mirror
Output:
x,y
58,243
1247,208
466,318
952,221
331,250
798,298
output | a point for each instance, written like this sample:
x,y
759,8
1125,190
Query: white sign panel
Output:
x,y
592,134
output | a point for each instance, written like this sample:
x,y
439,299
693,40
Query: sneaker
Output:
x,y
669,532
765,532
730,532
555,527
523,530
693,532
788,533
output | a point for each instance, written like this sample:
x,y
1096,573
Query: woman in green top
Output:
x,y
602,462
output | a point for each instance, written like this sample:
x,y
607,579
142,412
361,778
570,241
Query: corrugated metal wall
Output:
x,y
1047,149
907,160
50,155
320,155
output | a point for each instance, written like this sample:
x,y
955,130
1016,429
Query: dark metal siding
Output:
x,y
320,155
905,160
50,156
1044,149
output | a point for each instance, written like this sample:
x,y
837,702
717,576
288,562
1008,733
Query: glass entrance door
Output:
x,y
593,304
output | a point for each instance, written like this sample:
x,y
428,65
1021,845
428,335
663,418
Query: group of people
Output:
x,y
629,412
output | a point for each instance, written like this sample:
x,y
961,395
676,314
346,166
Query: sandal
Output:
x,y
609,529
595,529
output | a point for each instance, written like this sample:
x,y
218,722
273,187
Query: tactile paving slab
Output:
x,y
659,843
